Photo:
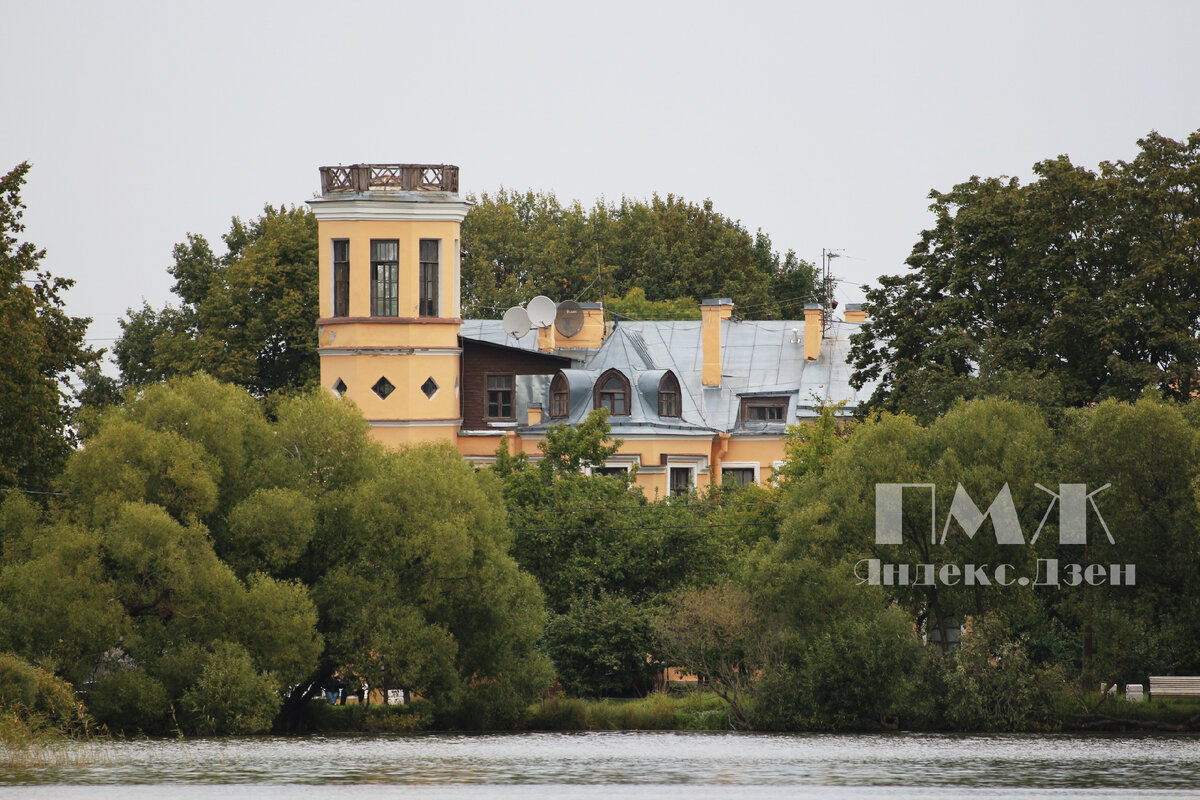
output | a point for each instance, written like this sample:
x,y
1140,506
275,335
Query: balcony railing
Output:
x,y
390,177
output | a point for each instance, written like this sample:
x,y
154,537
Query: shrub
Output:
x,y
991,684
857,673
18,682
230,697
130,701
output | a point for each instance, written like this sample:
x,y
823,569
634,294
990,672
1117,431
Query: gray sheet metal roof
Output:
x,y
759,358
490,330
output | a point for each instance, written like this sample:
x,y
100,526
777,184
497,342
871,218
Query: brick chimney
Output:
x,y
813,331
855,313
712,313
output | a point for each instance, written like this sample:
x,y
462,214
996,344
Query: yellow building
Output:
x,y
693,402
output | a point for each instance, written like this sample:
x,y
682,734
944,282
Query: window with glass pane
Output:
x,y
668,396
429,276
385,278
560,397
500,396
680,481
341,277
739,476
765,409
613,394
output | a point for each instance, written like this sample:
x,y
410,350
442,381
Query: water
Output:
x,y
566,766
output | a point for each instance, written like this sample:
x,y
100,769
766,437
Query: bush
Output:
x,y
600,647
18,682
57,703
991,684
35,703
318,716
130,701
230,697
858,673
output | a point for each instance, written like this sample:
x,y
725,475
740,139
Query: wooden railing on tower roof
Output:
x,y
390,177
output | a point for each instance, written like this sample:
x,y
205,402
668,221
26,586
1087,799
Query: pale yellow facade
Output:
x,y
420,357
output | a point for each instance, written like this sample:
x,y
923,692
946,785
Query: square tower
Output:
x,y
389,244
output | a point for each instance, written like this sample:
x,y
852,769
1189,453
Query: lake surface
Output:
x,y
565,766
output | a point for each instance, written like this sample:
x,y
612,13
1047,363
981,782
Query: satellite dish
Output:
x,y
569,320
516,322
542,311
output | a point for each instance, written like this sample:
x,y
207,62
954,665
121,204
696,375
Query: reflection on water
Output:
x,y
564,765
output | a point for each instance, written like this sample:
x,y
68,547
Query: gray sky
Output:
x,y
826,125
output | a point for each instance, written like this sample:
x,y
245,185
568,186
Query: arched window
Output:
x,y
669,404
612,392
560,397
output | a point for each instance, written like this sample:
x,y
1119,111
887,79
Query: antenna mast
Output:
x,y
828,304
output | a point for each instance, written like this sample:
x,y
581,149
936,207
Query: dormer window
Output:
x,y
668,396
560,397
764,409
612,392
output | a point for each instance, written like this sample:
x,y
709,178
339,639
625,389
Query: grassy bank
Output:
x,y
705,711
695,711
691,711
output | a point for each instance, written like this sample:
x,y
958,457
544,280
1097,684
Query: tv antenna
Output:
x,y
828,283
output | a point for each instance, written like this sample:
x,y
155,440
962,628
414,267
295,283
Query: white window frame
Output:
x,y
627,463
754,465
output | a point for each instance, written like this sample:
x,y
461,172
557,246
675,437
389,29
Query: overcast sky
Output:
x,y
826,125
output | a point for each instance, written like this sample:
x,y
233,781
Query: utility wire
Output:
x,y
646,527
33,491
670,507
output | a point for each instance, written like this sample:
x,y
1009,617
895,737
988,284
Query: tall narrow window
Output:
x,y
385,278
429,276
612,392
668,396
560,397
680,481
500,397
341,277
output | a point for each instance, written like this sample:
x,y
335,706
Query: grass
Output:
x,y
29,742
696,711
1116,713
321,717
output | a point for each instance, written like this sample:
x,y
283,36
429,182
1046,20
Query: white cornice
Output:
x,y
327,352
414,423
389,210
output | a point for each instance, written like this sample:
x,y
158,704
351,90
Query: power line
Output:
x,y
33,491
670,507
647,527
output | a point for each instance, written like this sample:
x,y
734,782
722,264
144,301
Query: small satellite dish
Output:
x,y
542,311
516,322
569,320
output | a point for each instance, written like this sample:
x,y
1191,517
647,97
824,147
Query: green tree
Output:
x,y
719,634
607,558
1081,285
634,305
41,349
1146,453
518,244
213,562
264,282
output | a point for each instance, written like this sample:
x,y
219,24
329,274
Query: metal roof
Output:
x,y
759,358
